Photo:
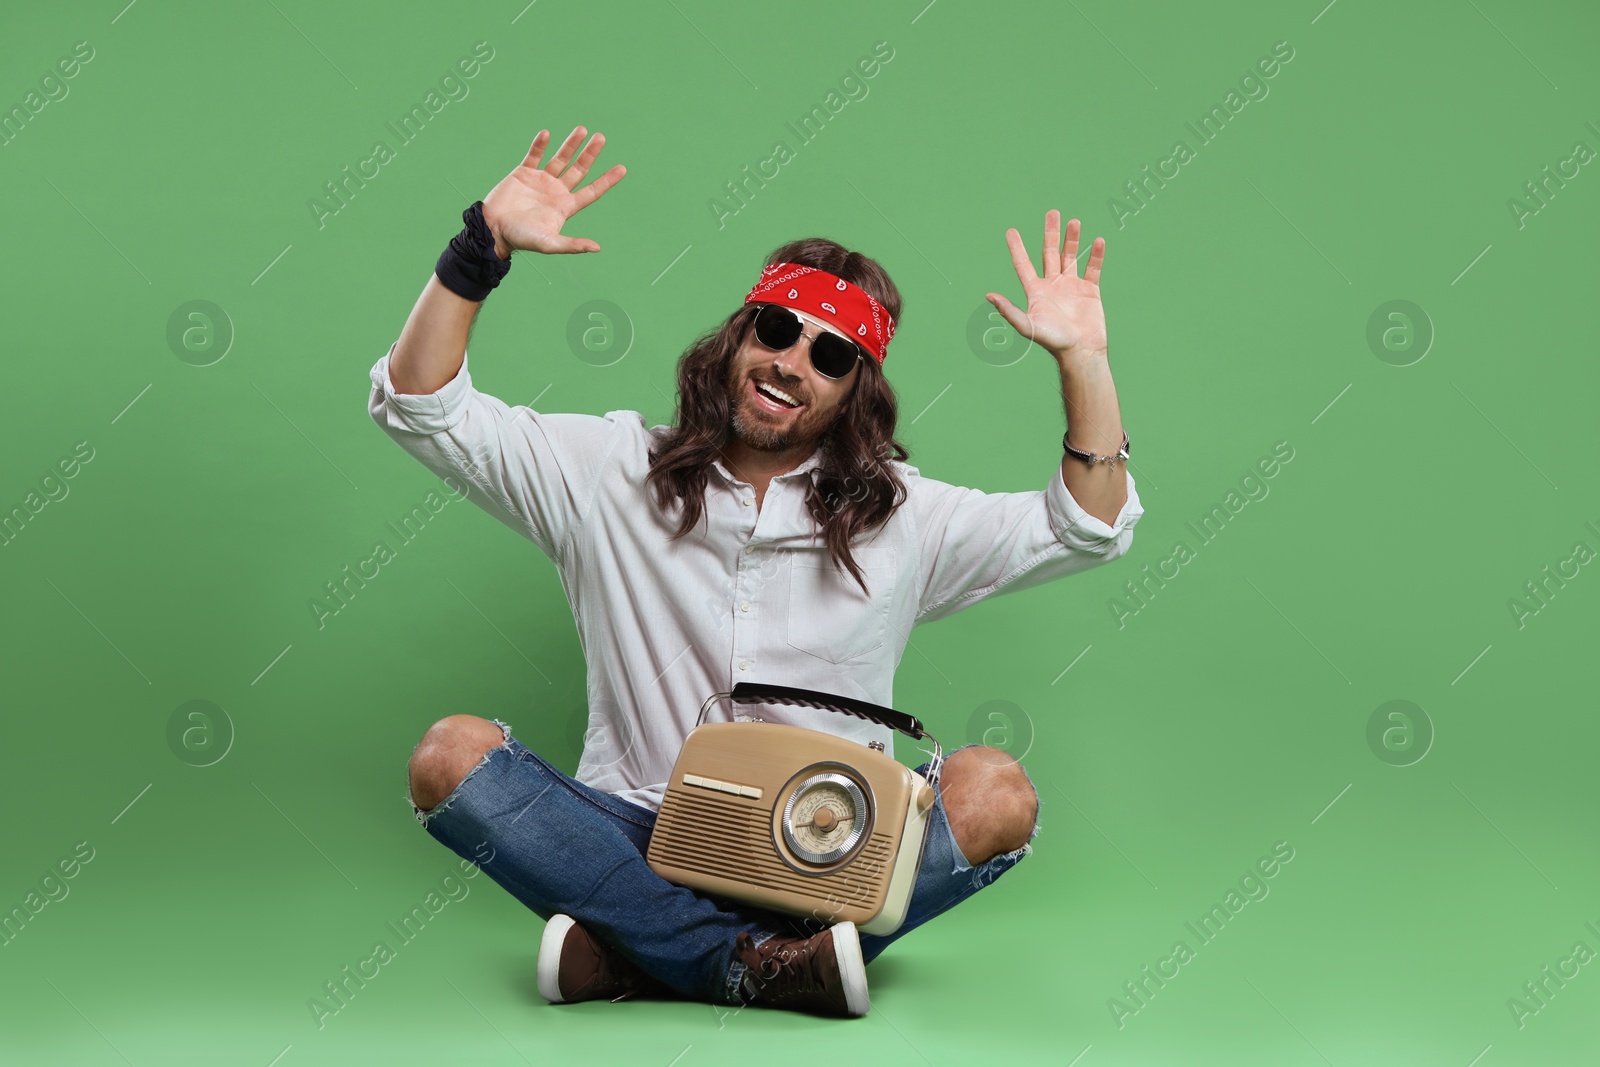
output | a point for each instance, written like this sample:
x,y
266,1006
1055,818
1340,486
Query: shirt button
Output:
x,y
749,548
743,665
748,501
744,607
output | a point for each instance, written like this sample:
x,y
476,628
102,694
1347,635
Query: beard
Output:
x,y
762,430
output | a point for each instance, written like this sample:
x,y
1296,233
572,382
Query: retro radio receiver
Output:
x,y
796,820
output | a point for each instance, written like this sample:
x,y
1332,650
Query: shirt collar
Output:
x,y
813,460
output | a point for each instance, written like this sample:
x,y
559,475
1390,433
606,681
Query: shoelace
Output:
x,y
787,981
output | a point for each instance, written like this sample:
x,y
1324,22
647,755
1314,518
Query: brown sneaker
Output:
x,y
823,973
575,965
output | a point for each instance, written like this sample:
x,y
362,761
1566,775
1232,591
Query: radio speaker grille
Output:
x,y
712,835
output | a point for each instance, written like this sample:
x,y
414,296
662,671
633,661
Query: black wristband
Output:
x,y
1089,457
468,266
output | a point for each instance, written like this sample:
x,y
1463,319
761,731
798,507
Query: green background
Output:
x,y
1229,714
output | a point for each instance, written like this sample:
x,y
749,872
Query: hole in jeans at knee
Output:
x,y
986,872
423,817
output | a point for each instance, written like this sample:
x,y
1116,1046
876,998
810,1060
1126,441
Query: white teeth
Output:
x,y
777,393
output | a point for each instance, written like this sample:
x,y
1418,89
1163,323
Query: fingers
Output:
x,y
1070,256
1097,255
568,147
580,166
1019,257
536,150
597,188
1052,243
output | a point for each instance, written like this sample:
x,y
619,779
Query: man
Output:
x,y
773,534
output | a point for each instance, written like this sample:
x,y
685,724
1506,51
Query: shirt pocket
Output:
x,y
829,617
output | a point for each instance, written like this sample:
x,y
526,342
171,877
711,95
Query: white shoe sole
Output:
x,y
555,933
852,969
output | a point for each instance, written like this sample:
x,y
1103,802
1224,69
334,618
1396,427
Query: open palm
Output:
x,y
531,204
1064,314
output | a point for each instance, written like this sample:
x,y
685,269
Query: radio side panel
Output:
x,y
903,877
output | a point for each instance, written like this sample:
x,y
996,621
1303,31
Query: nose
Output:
x,y
791,362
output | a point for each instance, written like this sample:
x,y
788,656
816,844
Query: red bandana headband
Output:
x,y
830,298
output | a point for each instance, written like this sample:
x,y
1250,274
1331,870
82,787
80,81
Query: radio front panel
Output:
x,y
794,820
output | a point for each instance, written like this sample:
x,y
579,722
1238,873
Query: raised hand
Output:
x,y
1064,316
531,204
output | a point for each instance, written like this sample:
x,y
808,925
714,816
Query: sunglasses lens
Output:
x,y
776,327
833,355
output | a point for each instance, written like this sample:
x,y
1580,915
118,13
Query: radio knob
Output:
x,y
925,797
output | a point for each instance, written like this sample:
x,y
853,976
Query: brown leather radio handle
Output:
x,y
764,693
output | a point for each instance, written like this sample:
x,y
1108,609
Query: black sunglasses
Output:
x,y
780,327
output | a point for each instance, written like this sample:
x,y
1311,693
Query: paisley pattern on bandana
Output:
x,y
830,298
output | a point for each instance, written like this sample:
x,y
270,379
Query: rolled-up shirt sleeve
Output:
x,y
975,545
535,472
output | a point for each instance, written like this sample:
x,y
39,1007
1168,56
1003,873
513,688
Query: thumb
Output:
x,y
575,244
1012,314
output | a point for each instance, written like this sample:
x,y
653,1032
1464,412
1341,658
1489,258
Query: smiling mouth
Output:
x,y
772,399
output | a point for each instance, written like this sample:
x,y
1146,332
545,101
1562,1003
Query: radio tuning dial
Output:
x,y
824,818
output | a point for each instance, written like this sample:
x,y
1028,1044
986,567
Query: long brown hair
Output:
x,y
853,488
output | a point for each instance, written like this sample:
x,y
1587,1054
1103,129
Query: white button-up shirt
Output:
x,y
749,594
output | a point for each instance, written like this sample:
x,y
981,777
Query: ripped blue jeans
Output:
x,y
560,846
